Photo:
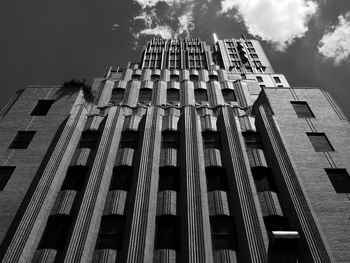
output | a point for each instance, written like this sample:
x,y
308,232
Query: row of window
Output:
x,y
145,95
173,77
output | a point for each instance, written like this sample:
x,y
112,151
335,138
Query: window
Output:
x,y
155,77
276,223
173,95
277,79
259,79
111,231
216,178
117,95
42,107
170,139
340,180
145,95
213,78
264,180
223,232
320,142
302,109
252,140
121,178
229,95
169,178
174,77
211,139
262,86
167,232
136,77
129,139
22,140
5,174
56,232
75,178
89,139
249,69
200,95
194,77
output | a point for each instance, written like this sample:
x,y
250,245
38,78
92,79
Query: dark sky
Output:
x,y
49,42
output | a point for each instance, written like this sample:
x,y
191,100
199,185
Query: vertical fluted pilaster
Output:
x,y
142,223
22,245
81,244
195,213
248,225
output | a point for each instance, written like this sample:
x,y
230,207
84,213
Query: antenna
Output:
x,y
215,38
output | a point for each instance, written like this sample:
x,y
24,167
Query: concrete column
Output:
x,y
141,227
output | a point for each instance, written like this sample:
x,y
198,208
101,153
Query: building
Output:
x,y
196,154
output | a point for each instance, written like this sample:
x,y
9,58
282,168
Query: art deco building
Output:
x,y
196,154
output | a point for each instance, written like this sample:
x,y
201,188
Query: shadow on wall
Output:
x,y
70,87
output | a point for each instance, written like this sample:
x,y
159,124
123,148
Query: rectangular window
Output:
x,y
216,178
277,79
340,180
170,139
121,178
145,95
259,79
117,95
193,77
174,78
111,232
169,178
89,139
229,95
302,109
252,140
223,232
200,95
75,178
211,139
167,232
129,139
173,95
320,142
42,107
5,174
22,140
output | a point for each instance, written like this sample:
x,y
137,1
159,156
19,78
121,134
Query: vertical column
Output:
x,y
317,250
195,213
248,225
80,247
142,223
37,210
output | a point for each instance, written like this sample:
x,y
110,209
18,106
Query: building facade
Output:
x,y
195,154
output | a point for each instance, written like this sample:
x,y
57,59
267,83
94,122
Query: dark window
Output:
x,y
121,178
277,79
213,78
223,232
155,77
194,78
252,140
211,139
89,139
129,139
56,232
276,223
75,178
170,139
340,180
259,79
42,107
216,178
5,174
174,78
200,95
264,180
320,142
117,95
167,232
111,232
229,95
136,77
169,178
173,95
145,95
262,86
22,140
302,109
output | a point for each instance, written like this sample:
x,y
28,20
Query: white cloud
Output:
x,y
147,17
162,31
186,23
335,44
277,21
152,3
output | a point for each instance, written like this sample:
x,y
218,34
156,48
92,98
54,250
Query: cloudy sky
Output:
x,y
48,42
